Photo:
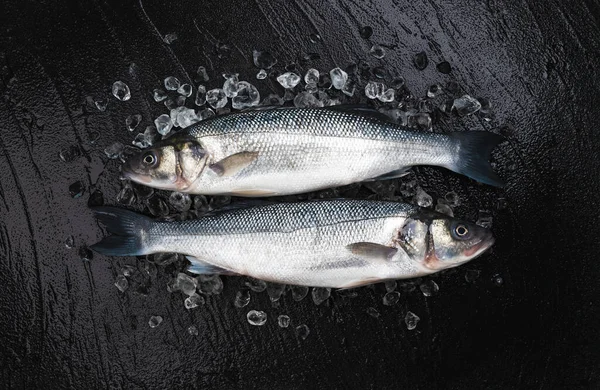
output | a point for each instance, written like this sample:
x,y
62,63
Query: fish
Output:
x,y
286,151
339,243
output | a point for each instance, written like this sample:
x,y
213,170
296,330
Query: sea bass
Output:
x,y
286,151
327,243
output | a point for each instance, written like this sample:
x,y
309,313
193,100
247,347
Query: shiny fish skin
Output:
x,y
302,243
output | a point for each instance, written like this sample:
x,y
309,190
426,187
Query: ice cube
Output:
x,y
349,88
85,254
157,206
314,38
186,284
485,219
443,208
101,104
126,196
377,51
311,76
193,330
163,124
379,72
420,60
121,91
70,242
275,291
434,90
398,82
216,98
320,294
187,117
202,74
170,38
272,100
444,67
96,199
151,135
263,59
132,121
140,141
172,83
69,154
154,321
311,88
180,201
390,285
288,80
299,292
185,90
501,204
452,199
388,96
193,301
373,312
230,86
256,285
422,198
338,78
288,95
306,99
391,298
302,331
256,317
429,288
76,189
472,275
200,95
121,283
159,95
411,320
365,32
466,105
205,114
246,96
283,321
242,298
261,75
374,89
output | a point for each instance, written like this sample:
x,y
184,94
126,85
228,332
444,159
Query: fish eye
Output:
x,y
149,158
461,230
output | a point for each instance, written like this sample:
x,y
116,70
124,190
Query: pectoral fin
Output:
x,y
231,165
372,250
359,283
202,268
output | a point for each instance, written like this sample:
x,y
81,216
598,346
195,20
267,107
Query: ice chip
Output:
x,y
193,330
157,206
472,275
374,89
170,38
121,283
256,285
76,189
151,135
242,299
132,121
422,198
452,199
466,105
70,242
444,67
388,96
205,114
380,72
498,280
302,331
185,90
263,59
283,321
193,301
288,80
210,284
311,76
485,219
311,88
429,288
187,117
159,95
411,320
272,100
180,201
186,284
101,104
365,32
288,95
246,96
261,75
434,90
275,290
373,312
121,91
306,99
390,285
391,298
200,95
163,124
172,83
443,208
96,199
256,317
420,60
398,82
320,294
349,88
202,74
299,292
216,98
85,254
230,86
69,154
377,51
338,78
314,38
140,141
154,321
174,115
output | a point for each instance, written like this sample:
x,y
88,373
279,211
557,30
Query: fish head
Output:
x,y
167,165
438,242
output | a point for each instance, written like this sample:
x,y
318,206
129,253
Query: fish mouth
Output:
x,y
477,250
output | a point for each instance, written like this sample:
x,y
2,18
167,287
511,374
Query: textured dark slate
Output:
x,y
63,324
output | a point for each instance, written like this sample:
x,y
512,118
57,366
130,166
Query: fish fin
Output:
x,y
127,228
372,250
360,109
202,268
253,192
231,165
475,148
392,175
359,283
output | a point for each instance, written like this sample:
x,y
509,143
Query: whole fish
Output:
x,y
327,243
286,151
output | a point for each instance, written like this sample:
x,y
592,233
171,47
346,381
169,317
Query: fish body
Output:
x,y
294,150
328,243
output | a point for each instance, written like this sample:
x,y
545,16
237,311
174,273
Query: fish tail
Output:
x,y
475,148
128,230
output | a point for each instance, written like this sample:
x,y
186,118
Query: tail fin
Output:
x,y
474,154
127,228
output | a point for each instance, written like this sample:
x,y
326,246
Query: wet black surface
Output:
x,y
64,324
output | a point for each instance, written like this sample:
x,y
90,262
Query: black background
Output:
x,y
64,324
